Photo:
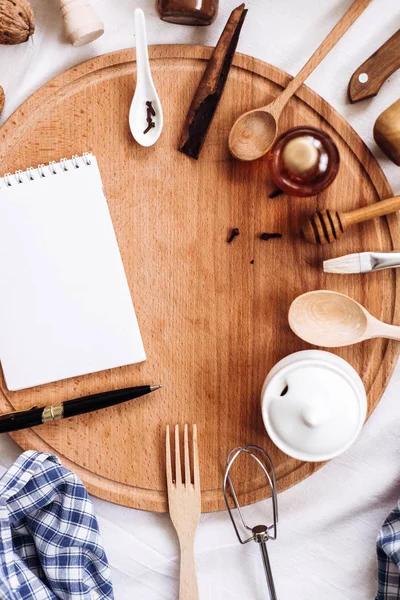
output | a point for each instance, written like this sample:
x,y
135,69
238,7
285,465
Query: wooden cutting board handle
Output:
x,y
372,74
378,209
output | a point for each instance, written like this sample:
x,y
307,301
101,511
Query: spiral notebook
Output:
x,y
65,304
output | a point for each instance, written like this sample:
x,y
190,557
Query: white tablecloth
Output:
x,y
328,523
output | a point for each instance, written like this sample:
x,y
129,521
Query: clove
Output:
x,y
235,232
150,108
276,193
150,114
270,236
150,126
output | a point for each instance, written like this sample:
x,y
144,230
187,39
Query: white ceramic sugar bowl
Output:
x,y
313,405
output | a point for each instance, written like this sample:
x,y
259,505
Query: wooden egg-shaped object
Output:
x,y
387,132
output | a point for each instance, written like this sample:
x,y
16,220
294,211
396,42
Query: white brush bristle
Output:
x,y
343,264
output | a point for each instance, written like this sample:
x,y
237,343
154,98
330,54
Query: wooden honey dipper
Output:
x,y
326,226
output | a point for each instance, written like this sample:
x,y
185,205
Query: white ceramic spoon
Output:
x,y
326,318
145,90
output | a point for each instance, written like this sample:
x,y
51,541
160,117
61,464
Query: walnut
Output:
x,y
17,21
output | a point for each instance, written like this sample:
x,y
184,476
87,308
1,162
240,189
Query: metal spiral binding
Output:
x,y
30,173
42,170
86,158
63,164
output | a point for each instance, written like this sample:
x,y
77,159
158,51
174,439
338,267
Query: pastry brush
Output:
x,y
363,262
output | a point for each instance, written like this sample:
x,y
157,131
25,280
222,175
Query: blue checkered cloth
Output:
x,y
49,538
388,550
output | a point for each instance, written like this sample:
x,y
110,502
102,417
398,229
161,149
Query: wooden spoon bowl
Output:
x,y
253,135
331,319
327,318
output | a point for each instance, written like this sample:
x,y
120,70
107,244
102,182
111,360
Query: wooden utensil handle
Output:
x,y
377,68
378,209
188,589
329,42
392,332
379,329
2,99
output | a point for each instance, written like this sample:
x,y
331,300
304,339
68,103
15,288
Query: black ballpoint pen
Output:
x,y
23,419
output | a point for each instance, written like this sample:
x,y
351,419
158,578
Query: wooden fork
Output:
x,y
184,502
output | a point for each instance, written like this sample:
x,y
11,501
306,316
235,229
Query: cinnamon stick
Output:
x,y
211,86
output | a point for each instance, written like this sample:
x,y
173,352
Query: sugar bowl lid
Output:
x,y
313,405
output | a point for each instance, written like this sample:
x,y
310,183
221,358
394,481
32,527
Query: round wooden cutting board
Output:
x,y
213,315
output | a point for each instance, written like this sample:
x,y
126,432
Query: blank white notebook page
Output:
x,y
65,304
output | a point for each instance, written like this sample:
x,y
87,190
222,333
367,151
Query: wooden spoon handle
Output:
x,y
378,209
329,42
379,329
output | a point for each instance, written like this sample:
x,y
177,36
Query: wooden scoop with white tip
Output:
x,y
327,318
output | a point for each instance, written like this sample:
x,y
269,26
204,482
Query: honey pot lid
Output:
x,y
300,154
314,410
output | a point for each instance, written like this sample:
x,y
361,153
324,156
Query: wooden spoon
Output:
x,y
253,134
326,318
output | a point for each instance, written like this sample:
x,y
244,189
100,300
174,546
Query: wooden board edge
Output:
x,y
154,500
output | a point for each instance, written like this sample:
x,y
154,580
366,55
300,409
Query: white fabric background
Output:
x,y
328,523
